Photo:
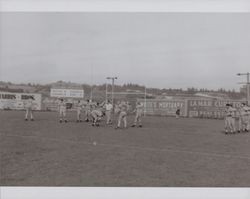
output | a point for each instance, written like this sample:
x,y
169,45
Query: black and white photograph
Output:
x,y
125,99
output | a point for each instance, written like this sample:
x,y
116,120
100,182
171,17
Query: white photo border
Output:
x,y
125,5
239,6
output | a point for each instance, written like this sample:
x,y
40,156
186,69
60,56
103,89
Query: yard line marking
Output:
x,y
173,150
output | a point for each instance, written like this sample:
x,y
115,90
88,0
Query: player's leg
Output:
x,y
233,127
80,116
240,124
247,123
94,119
87,115
26,114
177,116
119,120
108,115
125,121
226,125
98,120
135,120
77,115
244,123
230,129
64,116
31,115
60,115
140,120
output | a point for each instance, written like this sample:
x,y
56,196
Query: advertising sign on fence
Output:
x,y
200,108
16,101
66,93
210,108
164,107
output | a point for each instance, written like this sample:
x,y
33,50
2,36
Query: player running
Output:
x,y
29,109
243,118
230,119
248,116
96,115
122,111
62,111
138,114
79,111
87,111
108,112
178,113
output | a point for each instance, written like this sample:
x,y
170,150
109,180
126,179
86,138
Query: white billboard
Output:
x,y
16,101
66,93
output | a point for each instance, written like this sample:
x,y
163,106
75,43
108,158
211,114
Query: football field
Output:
x,y
166,152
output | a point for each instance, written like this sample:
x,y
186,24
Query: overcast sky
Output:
x,y
164,50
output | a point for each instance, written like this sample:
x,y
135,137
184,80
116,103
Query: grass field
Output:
x,y
165,152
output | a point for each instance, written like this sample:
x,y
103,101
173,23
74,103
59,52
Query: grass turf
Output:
x,y
166,152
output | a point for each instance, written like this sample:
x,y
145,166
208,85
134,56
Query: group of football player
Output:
x,y
94,112
232,115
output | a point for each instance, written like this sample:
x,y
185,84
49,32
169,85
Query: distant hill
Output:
x,y
98,91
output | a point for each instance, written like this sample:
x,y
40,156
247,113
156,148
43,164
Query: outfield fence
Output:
x,y
196,108
17,101
189,107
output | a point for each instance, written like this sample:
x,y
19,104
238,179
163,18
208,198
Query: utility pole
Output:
x,y
106,93
113,84
145,101
91,88
247,85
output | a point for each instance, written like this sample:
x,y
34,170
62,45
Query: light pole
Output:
x,y
112,93
106,93
145,101
247,85
91,89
